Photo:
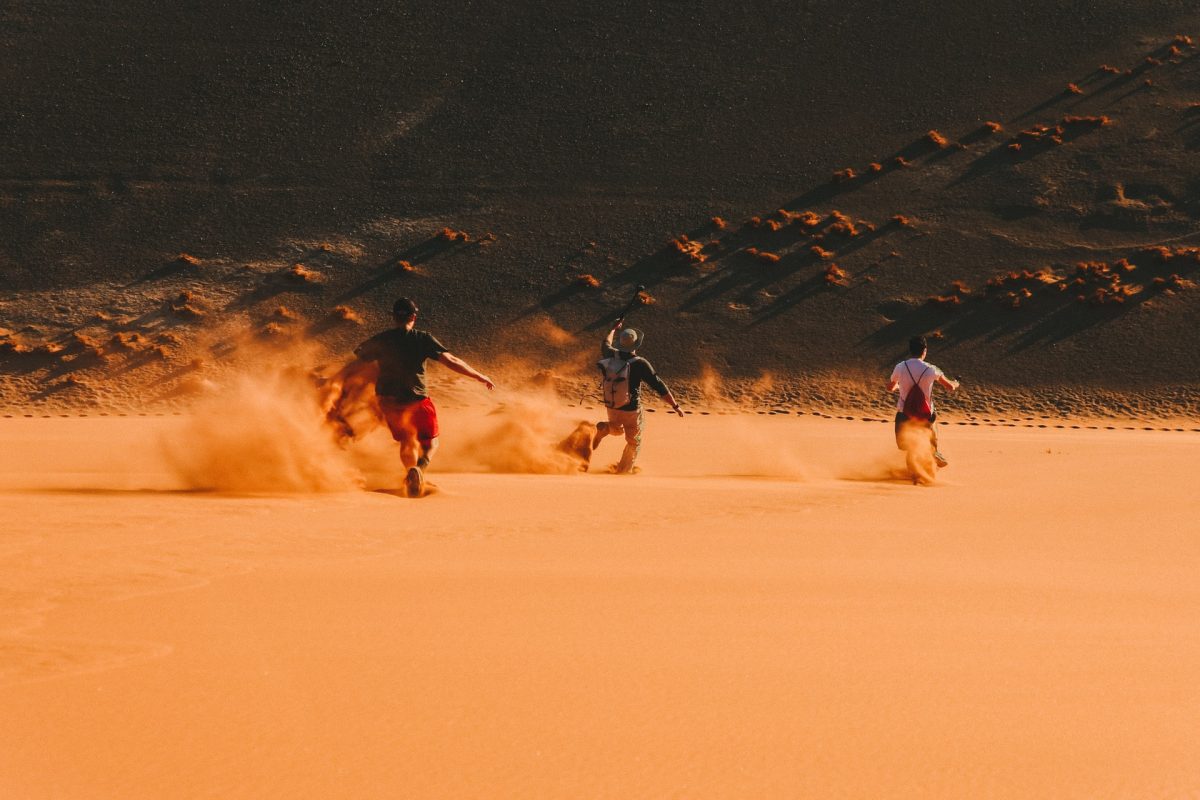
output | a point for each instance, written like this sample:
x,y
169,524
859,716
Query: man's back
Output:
x,y
639,372
401,356
914,372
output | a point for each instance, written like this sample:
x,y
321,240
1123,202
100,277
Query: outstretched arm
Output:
x,y
949,384
670,398
463,368
893,385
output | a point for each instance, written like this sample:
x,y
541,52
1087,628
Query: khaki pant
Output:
x,y
629,423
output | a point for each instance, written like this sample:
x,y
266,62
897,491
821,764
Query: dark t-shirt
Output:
x,y
640,372
401,357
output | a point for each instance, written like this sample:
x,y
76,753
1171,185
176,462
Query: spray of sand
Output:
x,y
520,434
263,432
268,431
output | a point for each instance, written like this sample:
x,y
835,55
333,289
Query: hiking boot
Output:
x,y
601,432
941,460
414,482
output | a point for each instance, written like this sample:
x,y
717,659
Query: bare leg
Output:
x,y
428,448
409,452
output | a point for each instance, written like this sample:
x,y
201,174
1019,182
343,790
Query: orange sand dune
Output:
x,y
764,612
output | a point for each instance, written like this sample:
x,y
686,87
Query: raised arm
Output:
x,y
606,347
463,368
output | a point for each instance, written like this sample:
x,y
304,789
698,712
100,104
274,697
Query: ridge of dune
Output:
x,y
140,285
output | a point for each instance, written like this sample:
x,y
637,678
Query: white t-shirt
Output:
x,y
921,371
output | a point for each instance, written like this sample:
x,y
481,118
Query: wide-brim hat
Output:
x,y
629,339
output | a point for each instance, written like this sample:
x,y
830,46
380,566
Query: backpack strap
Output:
x,y
916,381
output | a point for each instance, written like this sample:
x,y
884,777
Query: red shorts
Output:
x,y
406,420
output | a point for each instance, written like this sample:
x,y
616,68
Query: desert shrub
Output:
x,y
127,341
806,219
298,273
836,276
346,314
689,248
273,330
185,306
944,301
937,139
1073,120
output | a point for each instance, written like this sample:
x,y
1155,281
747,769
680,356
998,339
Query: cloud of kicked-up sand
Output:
x,y
266,430
522,433
262,432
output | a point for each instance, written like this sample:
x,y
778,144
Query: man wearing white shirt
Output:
x,y
917,373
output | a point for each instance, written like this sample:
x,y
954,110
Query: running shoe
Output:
x,y
414,482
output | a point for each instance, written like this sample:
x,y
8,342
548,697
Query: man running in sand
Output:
x,y
623,372
916,372
399,354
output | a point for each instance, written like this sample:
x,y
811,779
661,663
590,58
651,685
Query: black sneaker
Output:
x,y
414,482
941,460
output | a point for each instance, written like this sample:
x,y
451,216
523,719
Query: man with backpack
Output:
x,y
914,378
623,372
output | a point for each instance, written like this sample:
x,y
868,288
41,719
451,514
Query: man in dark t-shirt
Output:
x,y
399,355
623,372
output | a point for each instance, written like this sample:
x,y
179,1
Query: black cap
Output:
x,y
404,307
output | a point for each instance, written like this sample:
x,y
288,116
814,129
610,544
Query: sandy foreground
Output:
x,y
766,611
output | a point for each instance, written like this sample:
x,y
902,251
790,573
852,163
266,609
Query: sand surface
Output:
x,y
766,611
